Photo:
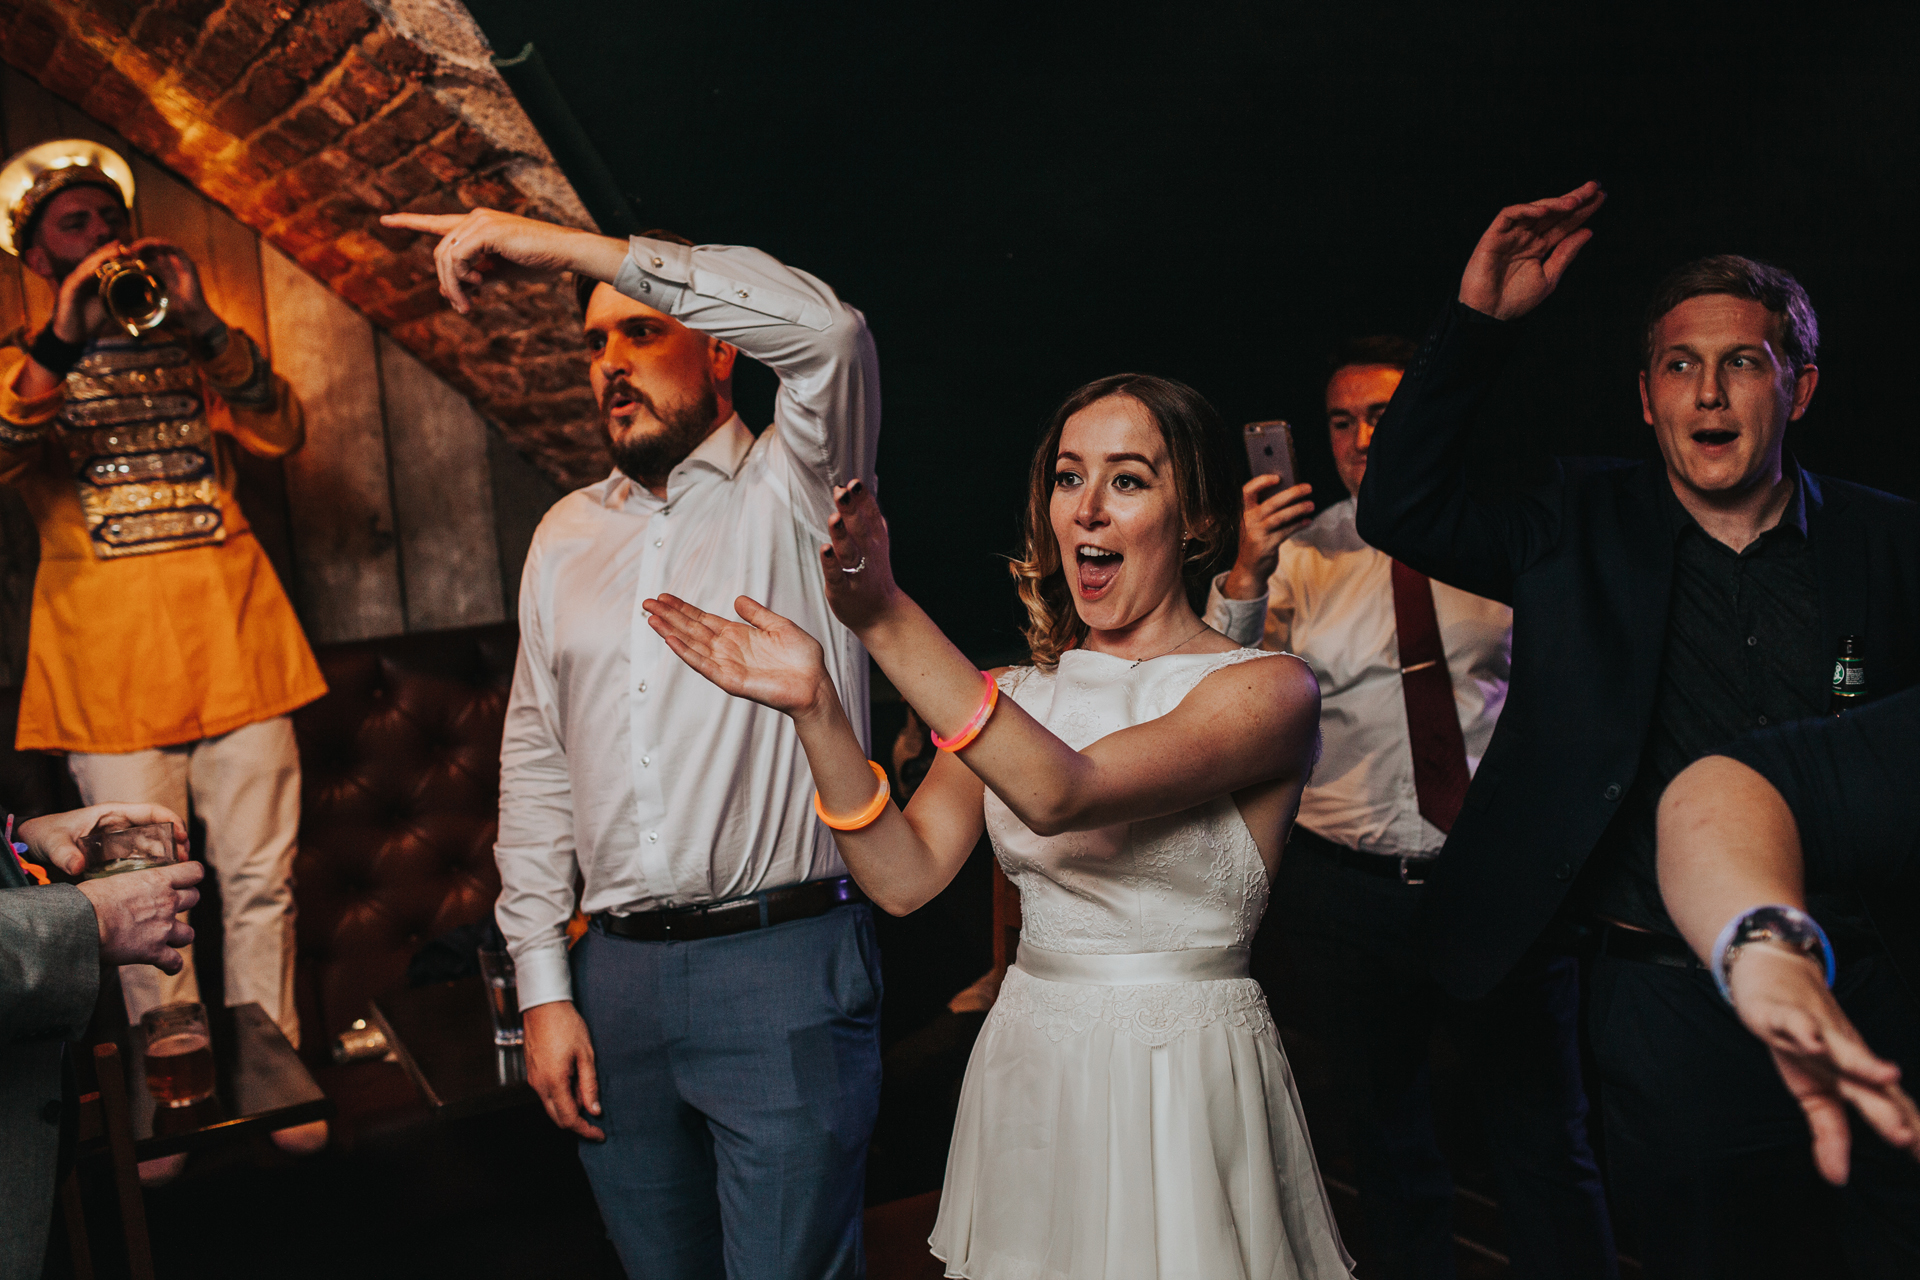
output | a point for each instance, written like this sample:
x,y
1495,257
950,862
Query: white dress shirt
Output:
x,y
625,774
1330,601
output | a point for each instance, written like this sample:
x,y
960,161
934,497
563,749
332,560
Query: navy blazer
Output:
x,y
1586,560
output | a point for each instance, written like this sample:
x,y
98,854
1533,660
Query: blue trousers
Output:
x,y
739,1079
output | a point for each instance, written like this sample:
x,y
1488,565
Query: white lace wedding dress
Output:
x,y
1127,1111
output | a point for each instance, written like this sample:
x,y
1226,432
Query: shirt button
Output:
x,y
1763,719
743,293
643,686
657,262
646,759
653,837
646,286
1613,791
1563,872
1752,640
659,542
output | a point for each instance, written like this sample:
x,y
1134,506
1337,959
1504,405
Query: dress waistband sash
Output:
x,y
1201,964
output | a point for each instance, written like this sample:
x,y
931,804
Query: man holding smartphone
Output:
x,y
1412,676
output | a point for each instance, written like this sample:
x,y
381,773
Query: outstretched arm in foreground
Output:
x,y
1729,843
1249,726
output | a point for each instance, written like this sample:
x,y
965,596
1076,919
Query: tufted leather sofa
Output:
x,y
400,768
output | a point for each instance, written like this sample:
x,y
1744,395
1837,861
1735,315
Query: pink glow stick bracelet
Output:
x,y
987,703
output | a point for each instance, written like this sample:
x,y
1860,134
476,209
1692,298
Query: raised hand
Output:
x,y
1783,999
1265,523
77,306
858,562
181,278
766,659
487,243
1521,257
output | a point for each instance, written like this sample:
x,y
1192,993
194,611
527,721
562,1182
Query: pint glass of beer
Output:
x,y
179,1054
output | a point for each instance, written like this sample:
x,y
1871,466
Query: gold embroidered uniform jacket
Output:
x,y
157,618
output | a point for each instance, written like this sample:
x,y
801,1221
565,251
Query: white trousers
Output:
x,y
245,787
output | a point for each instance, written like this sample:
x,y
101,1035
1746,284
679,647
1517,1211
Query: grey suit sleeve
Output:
x,y
49,963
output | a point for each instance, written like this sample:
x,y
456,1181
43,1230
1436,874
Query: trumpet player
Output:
x,y
164,655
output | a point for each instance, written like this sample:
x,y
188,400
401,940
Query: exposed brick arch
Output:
x,y
309,118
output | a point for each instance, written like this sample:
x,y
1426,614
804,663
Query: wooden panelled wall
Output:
x,y
404,512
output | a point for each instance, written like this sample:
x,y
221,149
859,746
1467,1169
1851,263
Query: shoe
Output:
x,y
161,1170
301,1139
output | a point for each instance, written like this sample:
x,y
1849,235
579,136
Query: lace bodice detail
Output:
x,y
1190,879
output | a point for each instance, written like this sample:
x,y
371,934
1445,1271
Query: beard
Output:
x,y
648,458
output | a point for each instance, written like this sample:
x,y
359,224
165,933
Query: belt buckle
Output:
x,y
1405,878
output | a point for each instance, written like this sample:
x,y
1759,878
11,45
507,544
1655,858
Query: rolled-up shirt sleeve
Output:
x,y
1849,784
827,414
535,850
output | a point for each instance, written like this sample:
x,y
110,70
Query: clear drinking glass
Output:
x,y
179,1053
503,996
129,849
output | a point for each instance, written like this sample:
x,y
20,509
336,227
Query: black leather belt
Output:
x,y
1389,866
736,915
1647,948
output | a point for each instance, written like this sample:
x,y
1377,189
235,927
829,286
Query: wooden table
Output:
x,y
259,1082
443,1036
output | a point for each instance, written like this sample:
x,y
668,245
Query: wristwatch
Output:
x,y
1777,922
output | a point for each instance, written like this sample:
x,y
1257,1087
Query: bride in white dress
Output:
x,y
1127,1111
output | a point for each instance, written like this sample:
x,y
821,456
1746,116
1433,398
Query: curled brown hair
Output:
x,y
1203,476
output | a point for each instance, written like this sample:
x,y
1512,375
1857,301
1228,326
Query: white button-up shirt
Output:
x,y
625,776
1330,601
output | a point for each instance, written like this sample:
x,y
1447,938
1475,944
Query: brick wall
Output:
x,y
308,119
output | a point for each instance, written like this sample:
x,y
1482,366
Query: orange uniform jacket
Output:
x,y
138,648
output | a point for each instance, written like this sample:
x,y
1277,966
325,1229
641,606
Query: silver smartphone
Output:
x,y
1270,452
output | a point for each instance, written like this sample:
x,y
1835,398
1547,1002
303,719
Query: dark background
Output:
x,y
1022,198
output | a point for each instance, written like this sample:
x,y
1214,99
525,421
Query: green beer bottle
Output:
x,y
1849,676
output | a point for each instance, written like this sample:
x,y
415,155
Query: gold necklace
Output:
x,y
1183,644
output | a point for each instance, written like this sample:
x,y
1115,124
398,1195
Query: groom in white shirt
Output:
x,y
1412,677
714,1036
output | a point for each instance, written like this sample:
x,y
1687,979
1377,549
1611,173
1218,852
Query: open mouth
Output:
x,y
1098,568
620,399
1714,437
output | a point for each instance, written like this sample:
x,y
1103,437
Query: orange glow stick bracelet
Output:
x,y
867,816
987,703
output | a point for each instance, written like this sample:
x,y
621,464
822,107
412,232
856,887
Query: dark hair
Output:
x,y
1203,475
1388,349
583,286
1738,277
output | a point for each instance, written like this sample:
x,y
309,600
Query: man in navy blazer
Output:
x,y
1661,610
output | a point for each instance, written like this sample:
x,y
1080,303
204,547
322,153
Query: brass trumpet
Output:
x,y
132,294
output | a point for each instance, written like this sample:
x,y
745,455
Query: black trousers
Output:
x,y
1709,1158
1351,943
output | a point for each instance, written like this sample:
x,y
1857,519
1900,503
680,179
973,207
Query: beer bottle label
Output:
x,y
1839,674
